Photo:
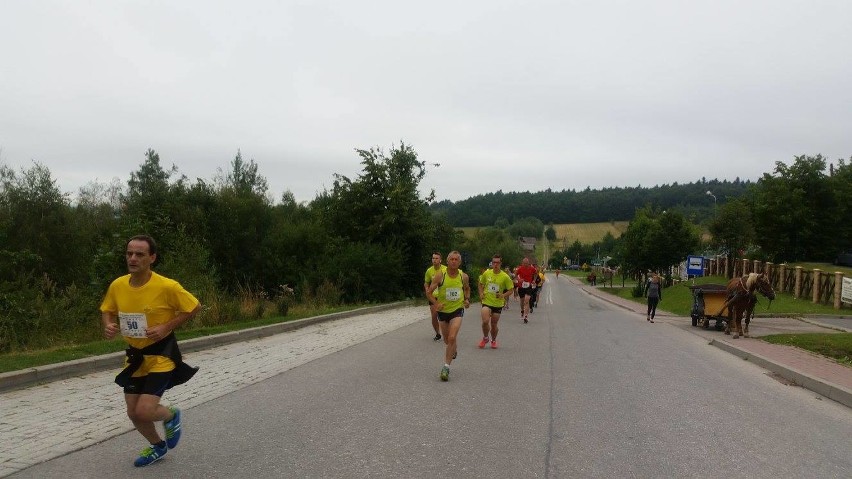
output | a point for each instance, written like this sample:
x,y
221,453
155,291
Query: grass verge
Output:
x,y
836,346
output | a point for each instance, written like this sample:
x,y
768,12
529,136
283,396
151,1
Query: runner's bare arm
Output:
x,y
436,281
110,325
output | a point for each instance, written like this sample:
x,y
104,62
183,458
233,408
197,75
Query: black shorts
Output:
x,y
154,384
447,317
525,292
494,309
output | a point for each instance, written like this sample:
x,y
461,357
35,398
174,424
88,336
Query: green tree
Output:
x,y
655,241
550,233
530,227
732,229
239,224
383,206
793,211
36,219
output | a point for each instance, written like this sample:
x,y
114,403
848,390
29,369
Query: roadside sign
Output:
x,y
695,265
846,291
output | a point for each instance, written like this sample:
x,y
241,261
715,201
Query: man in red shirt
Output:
x,y
526,278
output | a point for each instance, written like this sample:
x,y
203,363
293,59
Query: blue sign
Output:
x,y
695,265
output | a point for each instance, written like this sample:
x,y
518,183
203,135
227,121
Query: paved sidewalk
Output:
x,y
45,421
800,367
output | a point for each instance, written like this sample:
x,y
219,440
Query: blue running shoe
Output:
x,y
173,428
445,374
150,455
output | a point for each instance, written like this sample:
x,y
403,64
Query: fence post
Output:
x,y
797,291
727,268
745,267
756,266
767,268
838,288
816,285
782,275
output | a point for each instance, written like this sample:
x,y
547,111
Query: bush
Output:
x,y
638,291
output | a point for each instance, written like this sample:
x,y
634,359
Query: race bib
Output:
x,y
525,284
133,325
453,294
493,288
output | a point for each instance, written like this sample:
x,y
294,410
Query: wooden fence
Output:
x,y
817,285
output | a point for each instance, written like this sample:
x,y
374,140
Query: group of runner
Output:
x,y
448,290
145,308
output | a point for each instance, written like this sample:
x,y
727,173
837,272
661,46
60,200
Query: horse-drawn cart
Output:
x,y
707,301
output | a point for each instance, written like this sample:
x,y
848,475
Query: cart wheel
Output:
x,y
695,320
720,325
705,322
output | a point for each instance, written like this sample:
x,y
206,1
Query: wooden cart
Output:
x,y
707,301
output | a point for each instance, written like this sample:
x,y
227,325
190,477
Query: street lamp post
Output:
x,y
709,193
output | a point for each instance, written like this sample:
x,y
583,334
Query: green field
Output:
x,y
585,233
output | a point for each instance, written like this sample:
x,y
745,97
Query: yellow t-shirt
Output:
x,y
495,284
154,303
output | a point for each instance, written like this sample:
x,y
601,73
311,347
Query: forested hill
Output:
x,y
590,206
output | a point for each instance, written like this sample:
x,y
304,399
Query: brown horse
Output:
x,y
742,296
608,273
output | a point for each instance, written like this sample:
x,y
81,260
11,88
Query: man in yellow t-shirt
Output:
x,y
449,294
146,308
495,287
427,280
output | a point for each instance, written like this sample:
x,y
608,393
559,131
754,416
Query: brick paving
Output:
x,y
46,421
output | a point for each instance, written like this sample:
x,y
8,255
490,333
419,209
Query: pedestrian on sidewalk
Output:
x,y
449,295
654,293
146,308
495,286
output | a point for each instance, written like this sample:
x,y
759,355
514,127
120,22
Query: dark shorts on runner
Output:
x,y
525,292
154,384
447,317
494,309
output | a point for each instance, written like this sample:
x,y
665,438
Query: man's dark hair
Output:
x,y
152,245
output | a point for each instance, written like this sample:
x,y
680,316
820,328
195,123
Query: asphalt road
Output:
x,y
585,389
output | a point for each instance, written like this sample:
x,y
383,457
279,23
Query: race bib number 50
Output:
x,y
133,325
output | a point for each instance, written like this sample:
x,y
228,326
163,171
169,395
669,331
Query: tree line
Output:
x,y
797,212
591,206
366,239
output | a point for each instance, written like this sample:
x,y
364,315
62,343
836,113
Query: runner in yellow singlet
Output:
x,y
449,295
427,280
495,287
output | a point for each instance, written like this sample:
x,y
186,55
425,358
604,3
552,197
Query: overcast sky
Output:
x,y
504,95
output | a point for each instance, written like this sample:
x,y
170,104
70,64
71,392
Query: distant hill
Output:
x,y
586,233
591,206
